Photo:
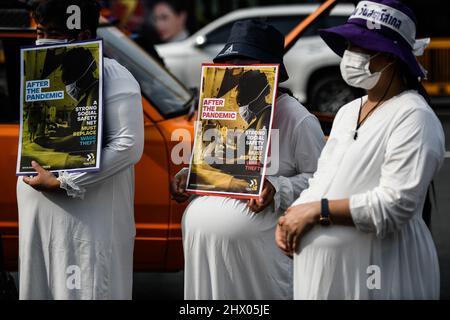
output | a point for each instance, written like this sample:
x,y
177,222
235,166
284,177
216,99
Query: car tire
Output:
x,y
329,93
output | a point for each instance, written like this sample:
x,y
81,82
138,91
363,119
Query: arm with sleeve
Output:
x,y
307,143
414,154
123,134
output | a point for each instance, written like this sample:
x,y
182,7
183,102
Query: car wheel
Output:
x,y
330,92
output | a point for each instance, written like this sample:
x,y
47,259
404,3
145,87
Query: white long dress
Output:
x,y
78,244
230,252
385,173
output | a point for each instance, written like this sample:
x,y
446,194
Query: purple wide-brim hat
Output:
x,y
381,26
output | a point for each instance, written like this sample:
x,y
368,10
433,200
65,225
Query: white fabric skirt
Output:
x,y
230,252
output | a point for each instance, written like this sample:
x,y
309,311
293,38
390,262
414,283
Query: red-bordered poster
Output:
x,y
236,108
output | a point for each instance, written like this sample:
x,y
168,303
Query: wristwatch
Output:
x,y
325,213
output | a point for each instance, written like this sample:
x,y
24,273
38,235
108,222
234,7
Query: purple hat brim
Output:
x,y
336,38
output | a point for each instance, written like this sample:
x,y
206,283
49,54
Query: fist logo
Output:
x,y
90,157
253,185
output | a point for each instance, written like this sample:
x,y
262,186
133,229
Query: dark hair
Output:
x,y
74,63
177,6
282,90
53,13
413,82
250,85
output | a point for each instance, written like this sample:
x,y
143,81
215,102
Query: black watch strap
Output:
x,y
324,213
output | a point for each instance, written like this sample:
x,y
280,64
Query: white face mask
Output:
x,y
43,41
73,90
355,70
245,111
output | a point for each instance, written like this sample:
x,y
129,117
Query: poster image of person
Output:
x,y
230,148
61,107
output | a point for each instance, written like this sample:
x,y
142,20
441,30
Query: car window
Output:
x,y
284,24
157,84
331,21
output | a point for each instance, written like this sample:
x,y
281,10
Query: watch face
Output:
x,y
324,221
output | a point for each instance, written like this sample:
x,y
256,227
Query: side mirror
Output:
x,y
200,41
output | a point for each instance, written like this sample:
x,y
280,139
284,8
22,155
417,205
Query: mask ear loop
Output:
x,y
376,54
359,123
384,68
259,95
84,73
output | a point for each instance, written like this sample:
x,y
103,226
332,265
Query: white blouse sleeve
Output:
x,y
123,139
414,154
306,194
308,141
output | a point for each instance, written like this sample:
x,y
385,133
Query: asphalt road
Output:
x,y
170,285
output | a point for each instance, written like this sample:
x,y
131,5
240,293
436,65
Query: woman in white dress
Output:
x,y
229,244
76,232
357,232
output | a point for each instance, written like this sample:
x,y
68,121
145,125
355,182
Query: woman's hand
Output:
x,y
266,198
294,224
280,236
43,181
178,186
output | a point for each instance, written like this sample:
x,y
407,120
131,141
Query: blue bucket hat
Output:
x,y
256,40
383,26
